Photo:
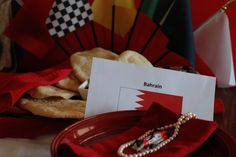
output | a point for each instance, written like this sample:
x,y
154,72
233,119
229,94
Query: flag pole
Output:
x,y
158,27
94,33
150,39
78,39
134,24
227,4
61,47
161,57
224,8
113,25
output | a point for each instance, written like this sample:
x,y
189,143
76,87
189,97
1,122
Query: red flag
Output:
x,y
28,28
29,31
172,102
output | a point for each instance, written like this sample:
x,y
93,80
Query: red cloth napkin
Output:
x,y
219,106
14,85
190,137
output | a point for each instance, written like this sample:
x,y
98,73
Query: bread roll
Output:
x,y
69,83
41,92
134,58
82,61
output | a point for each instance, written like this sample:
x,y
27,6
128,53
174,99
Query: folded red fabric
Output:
x,y
191,135
219,107
14,85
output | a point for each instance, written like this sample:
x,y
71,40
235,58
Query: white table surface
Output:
x,y
15,147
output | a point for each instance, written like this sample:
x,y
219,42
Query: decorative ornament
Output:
x,y
154,139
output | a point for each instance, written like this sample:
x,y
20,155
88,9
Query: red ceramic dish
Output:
x,y
94,129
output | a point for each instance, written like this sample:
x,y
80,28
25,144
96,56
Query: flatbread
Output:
x,y
41,92
133,58
83,89
83,93
82,61
69,83
54,108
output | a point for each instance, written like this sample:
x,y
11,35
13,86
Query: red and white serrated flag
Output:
x,y
135,99
213,45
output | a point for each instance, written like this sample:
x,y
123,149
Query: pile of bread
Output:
x,y
67,98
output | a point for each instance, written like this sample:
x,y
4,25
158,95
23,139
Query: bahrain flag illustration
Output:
x,y
141,100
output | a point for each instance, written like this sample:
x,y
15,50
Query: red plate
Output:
x,y
100,127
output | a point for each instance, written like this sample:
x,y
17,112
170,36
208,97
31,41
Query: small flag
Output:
x,y
66,15
207,10
213,45
125,13
177,27
135,99
172,102
35,40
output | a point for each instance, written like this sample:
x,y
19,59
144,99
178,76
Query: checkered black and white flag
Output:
x,y
66,15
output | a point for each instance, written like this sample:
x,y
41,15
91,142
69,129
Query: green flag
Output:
x,y
149,7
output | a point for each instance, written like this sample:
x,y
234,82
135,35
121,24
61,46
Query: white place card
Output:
x,y
118,86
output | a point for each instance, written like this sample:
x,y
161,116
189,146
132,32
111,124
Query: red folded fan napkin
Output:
x,y
14,85
191,135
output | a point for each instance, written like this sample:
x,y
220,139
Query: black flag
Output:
x,y
177,27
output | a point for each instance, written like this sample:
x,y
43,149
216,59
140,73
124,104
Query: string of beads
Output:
x,y
181,120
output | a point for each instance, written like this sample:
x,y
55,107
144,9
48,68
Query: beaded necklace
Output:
x,y
181,120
